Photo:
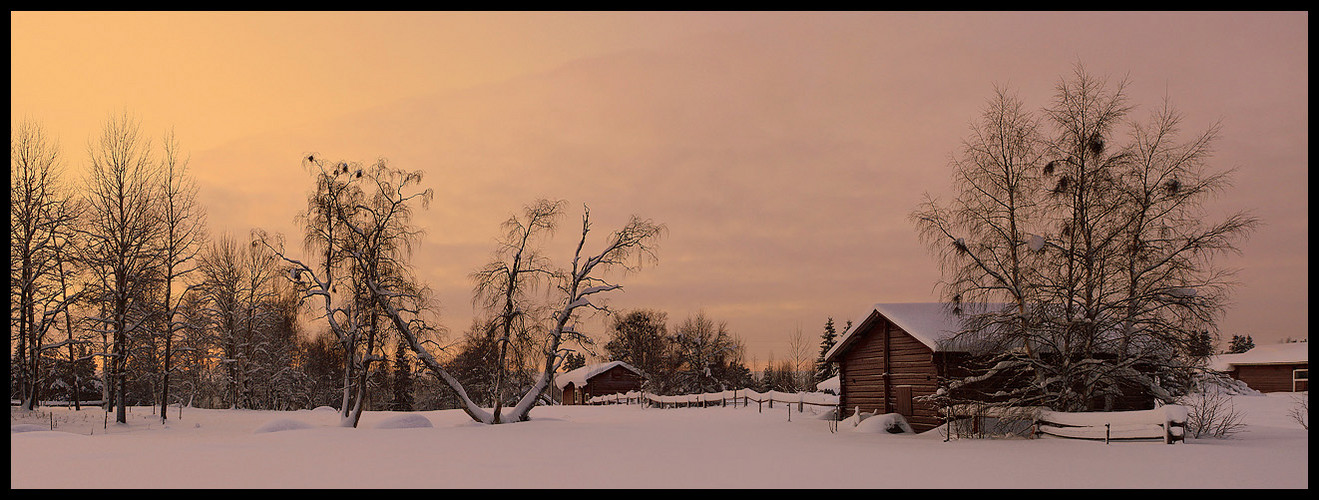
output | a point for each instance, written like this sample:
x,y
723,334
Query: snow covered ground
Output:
x,y
620,447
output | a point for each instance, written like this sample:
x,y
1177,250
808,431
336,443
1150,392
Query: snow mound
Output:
x,y
325,409
828,414
281,424
891,423
405,421
27,428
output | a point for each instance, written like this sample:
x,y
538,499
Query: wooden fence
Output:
x,y
723,398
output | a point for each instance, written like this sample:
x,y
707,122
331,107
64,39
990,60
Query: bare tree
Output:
x,y
503,285
183,233
361,220
705,349
1083,264
122,231
580,287
800,353
372,209
40,216
983,239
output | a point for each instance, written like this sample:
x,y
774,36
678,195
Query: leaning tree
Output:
x,y
363,218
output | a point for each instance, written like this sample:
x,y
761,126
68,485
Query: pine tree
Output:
x,y
824,370
1240,344
1201,345
402,379
573,361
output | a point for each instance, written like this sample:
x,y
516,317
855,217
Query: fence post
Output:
x,y
760,407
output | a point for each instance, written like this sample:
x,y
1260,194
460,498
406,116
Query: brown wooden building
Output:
x,y
579,385
1269,368
890,357
897,353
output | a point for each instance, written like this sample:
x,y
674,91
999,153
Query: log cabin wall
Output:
x,y
1271,378
884,363
612,381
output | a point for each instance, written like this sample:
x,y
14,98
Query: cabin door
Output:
x,y
902,399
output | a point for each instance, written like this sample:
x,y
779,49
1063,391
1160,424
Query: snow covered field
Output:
x,y
620,447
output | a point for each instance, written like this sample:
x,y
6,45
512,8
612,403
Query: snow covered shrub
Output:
x,y
405,421
1212,414
992,421
1217,382
281,424
892,423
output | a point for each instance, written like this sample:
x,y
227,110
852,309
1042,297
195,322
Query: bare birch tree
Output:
x,y
183,222
122,231
40,216
372,208
1082,262
503,286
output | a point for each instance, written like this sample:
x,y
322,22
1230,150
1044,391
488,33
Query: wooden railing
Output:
x,y
722,398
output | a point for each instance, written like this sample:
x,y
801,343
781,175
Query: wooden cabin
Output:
x,y
896,353
578,386
1269,368
890,357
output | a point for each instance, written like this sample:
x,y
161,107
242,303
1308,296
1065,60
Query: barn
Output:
x,y
578,385
1269,368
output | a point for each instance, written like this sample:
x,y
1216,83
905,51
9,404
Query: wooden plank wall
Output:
x,y
1268,378
908,363
612,381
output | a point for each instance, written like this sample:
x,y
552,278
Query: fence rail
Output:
x,y
722,398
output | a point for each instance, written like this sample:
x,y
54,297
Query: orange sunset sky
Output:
x,y
784,151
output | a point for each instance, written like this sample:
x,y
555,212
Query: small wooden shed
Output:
x,y
891,356
1269,368
579,385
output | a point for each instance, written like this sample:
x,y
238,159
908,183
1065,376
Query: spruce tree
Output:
x,y
573,361
824,370
1240,344
402,379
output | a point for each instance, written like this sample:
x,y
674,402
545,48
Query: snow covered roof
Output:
x,y
1291,352
932,323
579,376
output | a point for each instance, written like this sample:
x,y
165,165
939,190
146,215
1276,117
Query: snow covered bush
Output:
x,y
405,421
281,424
1212,414
891,423
1301,411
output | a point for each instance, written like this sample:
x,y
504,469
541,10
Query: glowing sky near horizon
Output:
x,y
783,150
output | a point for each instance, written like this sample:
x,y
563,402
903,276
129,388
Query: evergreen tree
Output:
x,y
573,361
767,378
824,370
1201,345
1240,344
402,379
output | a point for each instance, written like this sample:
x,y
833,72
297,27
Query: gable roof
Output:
x,y
932,323
1288,353
579,376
